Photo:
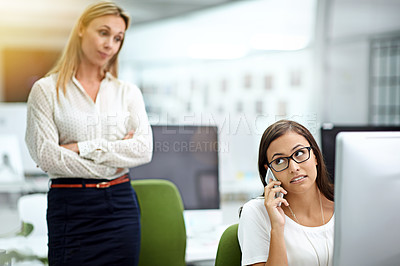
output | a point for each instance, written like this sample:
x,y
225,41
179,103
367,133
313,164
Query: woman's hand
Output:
x,y
74,147
71,146
271,203
129,135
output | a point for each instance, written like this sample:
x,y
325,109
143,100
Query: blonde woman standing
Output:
x,y
86,128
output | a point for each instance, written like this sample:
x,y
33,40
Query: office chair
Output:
x,y
163,233
229,253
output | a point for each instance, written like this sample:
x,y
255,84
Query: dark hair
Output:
x,y
278,129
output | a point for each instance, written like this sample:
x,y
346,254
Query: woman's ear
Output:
x,y
80,30
266,166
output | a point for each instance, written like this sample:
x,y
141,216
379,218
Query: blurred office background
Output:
x,y
238,65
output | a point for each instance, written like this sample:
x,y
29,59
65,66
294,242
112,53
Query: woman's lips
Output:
x,y
298,179
103,55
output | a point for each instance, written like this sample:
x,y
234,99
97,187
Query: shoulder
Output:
x,y
126,87
254,231
44,87
256,204
254,209
50,80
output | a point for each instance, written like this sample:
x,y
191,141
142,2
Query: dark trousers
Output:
x,y
90,226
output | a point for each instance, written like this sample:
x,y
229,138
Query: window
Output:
x,y
385,81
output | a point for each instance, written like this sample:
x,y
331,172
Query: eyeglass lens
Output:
x,y
299,156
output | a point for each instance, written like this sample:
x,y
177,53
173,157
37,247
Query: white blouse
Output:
x,y
98,127
305,246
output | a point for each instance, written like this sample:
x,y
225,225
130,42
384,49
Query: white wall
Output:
x,y
169,90
233,93
236,24
347,83
178,89
351,25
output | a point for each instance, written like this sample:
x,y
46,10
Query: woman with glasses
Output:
x,y
296,229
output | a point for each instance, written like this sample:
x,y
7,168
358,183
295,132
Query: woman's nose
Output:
x,y
108,43
293,166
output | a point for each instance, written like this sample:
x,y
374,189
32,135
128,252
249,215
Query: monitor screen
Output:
x,y
13,122
367,199
187,156
328,140
11,170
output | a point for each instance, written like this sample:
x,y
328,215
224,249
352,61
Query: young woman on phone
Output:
x,y
296,229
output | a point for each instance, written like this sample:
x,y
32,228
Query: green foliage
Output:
x,y
26,229
16,256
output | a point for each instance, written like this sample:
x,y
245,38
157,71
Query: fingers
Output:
x,y
274,202
129,135
277,190
275,193
274,186
272,194
71,146
280,200
119,170
272,183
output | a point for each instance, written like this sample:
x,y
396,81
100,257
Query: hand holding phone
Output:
x,y
269,176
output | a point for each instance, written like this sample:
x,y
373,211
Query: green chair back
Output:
x,y
229,253
163,233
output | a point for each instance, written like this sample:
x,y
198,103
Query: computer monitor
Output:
x,y
11,170
187,156
367,199
13,122
328,140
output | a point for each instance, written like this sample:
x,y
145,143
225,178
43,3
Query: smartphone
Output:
x,y
269,176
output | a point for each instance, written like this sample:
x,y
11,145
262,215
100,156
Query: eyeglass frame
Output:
x,y
291,157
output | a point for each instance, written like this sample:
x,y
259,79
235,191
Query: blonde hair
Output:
x,y
71,57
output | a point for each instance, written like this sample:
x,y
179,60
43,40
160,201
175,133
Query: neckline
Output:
x,y
312,228
77,83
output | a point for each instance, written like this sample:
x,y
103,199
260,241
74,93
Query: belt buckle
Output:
x,y
103,185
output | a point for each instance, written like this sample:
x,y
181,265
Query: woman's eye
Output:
x,y
118,38
279,161
299,153
103,33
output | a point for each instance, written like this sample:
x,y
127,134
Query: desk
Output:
x,y
203,233
203,227
37,184
201,249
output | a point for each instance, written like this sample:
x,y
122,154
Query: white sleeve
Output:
x,y
254,234
124,153
43,142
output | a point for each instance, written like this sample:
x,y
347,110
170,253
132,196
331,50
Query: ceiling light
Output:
x,y
216,51
279,42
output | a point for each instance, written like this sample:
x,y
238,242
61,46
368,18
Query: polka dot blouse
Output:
x,y
98,127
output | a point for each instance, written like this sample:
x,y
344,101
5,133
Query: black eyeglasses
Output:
x,y
282,163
